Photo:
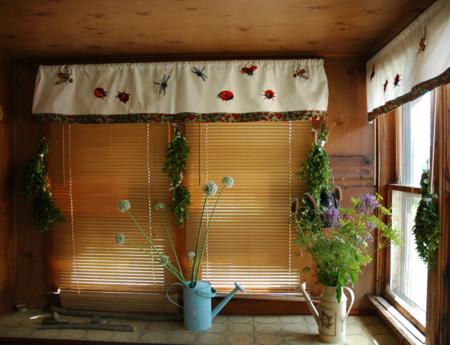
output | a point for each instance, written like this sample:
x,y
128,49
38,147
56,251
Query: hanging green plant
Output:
x,y
176,160
37,188
316,170
426,224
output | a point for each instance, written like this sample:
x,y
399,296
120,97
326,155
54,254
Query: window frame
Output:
x,y
389,161
387,294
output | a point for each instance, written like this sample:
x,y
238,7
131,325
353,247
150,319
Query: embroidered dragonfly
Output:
x,y
163,84
199,73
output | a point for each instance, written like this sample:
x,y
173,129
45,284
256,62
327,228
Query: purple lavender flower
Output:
x,y
370,226
331,217
367,203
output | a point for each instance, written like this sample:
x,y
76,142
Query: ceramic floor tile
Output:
x,y
45,334
226,330
153,337
240,328
99,335
240,339
72,334
211,339
19,331
182,338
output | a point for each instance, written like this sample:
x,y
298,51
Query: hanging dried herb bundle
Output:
x,y
427,226
316,170
37,188
176,160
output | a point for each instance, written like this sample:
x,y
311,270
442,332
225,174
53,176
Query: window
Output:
x,y
408,274
91,168
252,239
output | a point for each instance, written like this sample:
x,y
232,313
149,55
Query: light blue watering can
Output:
x,y
198,315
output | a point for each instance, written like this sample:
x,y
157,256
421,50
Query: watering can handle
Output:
x,y
170,299
352,300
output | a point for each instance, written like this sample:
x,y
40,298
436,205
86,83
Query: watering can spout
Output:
x,y
219,307
309,303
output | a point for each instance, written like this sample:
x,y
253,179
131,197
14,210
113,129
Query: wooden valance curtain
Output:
x,y
201,91
415,62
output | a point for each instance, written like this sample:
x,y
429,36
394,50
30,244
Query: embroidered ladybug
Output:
x,y
123,97
99,92
269,94
397,79
373,73
248,70
225,95
385,85
301,74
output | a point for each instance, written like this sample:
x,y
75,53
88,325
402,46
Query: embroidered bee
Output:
x,y
64,76
423,41
163,84
385,85
248,70
269,94
301,74
397,80
99,92
199,73
225,95
123,97
373,73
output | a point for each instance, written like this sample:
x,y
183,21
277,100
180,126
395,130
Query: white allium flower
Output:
x,y
210,188
124,205
120,239
191,256
164,259
160,205
228,181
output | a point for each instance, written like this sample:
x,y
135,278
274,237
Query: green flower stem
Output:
x,y
197,243
207,232
166,230
150,242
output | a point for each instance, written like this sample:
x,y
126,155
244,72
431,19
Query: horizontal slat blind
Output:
x,y
91,168
252,237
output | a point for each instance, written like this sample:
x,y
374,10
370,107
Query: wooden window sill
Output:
x,y
402,328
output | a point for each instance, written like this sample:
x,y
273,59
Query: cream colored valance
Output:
x,y
202,91
416,61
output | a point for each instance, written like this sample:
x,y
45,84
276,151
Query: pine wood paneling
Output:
x,y
50,28
351,143
6,233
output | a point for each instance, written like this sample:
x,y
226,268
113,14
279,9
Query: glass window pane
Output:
x,y
408,278
416,136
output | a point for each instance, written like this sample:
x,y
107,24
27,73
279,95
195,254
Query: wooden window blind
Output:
x,y
252,237
91,168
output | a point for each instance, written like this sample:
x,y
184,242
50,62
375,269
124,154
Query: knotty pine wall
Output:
x,y
351,147
6,191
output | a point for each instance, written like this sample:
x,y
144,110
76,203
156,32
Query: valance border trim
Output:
x,y
183,117
416,92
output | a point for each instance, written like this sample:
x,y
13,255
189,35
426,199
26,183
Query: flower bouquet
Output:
x,y
210,189
338,239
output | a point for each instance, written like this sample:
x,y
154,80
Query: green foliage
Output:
x,y
341,252
181,199
175,164
37,188
427,225
316,169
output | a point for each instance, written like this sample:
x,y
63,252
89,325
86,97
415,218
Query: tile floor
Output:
x,y
226,330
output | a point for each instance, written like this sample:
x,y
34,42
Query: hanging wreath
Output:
x,y
176,160
37,188
427,226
